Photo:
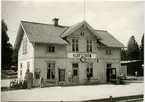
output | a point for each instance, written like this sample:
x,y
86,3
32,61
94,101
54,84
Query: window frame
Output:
x,y
82,33
20,72
89,45
109,66
21,65
25,49
50,49
75,45
50,68
108,51
28,65
37,75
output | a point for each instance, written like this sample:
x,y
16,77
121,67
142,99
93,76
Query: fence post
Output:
x,y
111,99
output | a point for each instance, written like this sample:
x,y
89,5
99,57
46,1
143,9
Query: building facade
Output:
x,y
62,54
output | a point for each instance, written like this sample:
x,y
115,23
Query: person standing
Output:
x,y
136,73
41,82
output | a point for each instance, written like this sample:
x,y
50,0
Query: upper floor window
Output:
x,y
28,65
25,45
82,33
108,51
75,45
51,70
50,48
89,45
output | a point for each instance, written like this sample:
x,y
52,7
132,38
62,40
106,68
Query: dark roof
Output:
x,y
47,33
108,39
43,33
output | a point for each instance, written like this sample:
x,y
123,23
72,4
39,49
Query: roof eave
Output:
x,y
17,37
49,43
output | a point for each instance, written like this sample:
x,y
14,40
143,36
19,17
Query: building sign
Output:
x,y
79,55
82,59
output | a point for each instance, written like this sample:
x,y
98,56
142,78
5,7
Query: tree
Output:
x,y
15,58
142,49
132,49
123,55
7,49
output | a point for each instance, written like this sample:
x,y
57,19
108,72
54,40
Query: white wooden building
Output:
x,y
66,54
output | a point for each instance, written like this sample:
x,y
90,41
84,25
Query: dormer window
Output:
x,y
108,51
50,48
25,45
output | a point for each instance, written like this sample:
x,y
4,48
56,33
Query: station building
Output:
x,y
66,54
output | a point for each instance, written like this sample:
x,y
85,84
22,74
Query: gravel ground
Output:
x,y
74,93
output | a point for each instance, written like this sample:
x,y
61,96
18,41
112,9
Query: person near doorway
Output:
x,y
41,82
136,73
88,76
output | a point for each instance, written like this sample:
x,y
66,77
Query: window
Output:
x,y
21,65
25,45
108,51
75,46
20,72
75,69
113,71
50,70
28,65
75,65
109,65
20,69
90,69
82,33
37,75
89,45
50,48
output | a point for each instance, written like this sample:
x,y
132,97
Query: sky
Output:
x,y
122,19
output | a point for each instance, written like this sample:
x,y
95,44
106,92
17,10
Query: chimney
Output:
x,y
55,21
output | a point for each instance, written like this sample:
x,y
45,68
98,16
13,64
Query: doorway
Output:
x,y
75,69
111,72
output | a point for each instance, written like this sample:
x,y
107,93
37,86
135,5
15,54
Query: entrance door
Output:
x,y
75,69
111,74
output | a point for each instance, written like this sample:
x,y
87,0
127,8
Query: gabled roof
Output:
x,y
73,28
44,33
108,39
48,33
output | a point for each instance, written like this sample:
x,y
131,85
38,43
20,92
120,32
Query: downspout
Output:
x,y
33,63
66,66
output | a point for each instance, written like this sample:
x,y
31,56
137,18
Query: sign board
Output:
x,y
79,55
61,74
